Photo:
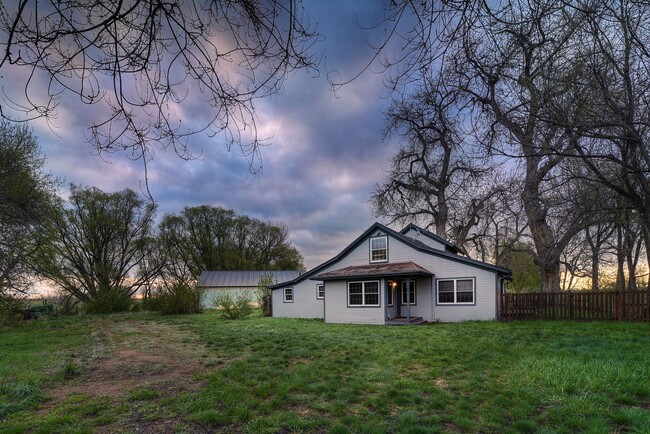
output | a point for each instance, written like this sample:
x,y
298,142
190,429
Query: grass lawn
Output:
x,y
198,373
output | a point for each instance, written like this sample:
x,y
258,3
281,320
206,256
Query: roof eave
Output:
x,y
373,276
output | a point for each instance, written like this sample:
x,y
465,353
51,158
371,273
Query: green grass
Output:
x,y
33,356
279,375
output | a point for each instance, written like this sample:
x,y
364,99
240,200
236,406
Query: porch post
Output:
x,y
384,284
408,300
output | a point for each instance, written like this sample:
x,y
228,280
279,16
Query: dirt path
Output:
x,y
133,361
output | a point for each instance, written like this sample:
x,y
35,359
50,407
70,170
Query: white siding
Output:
x,y
423,299
207,299
305,304
443,268
337,310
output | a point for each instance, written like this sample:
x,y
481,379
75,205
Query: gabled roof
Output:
x,y
375,270
448,245
237,279
403,238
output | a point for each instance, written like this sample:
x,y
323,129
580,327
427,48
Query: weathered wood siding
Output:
x,y
305,304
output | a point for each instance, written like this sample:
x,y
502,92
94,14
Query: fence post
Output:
x,y
617,306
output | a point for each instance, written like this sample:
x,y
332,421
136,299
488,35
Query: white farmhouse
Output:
x,y
389,277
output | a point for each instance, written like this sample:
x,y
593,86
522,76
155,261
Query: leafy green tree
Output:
x,y
213,238
525,275
101,241
26,199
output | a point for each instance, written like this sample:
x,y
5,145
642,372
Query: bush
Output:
x,y
109,301
66,303
11,309
233,306
180,298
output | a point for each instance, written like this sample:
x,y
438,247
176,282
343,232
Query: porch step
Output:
x,y
405,321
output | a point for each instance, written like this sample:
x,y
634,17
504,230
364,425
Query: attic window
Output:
x,y
379,249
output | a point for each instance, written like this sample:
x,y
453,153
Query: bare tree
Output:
x,y
143,62
611,133
512,62
435,178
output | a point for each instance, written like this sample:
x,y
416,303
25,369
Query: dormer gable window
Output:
x,y
379,249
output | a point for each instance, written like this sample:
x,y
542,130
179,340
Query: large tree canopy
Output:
x,y
141,63
101,241
212,238
26,198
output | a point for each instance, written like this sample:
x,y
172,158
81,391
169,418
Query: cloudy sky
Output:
x,y
325,156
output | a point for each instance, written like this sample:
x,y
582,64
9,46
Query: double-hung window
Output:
x,y
456,291
379,249
320,292
288,295
411,294
363,293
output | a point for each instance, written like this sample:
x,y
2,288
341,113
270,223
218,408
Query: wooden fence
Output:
x,y
576,305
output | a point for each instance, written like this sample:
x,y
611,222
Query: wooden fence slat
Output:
x,y
576,305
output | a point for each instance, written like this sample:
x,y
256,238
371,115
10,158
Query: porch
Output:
x,y
391,293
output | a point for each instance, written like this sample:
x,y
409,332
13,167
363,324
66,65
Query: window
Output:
x,y
456,291
363,293
412,291
391,292
288,295
379,249
320,291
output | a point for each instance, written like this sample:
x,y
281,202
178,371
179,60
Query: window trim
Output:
x,y
318,291
370,249
390,295
402,292
284,295
363,293
455,302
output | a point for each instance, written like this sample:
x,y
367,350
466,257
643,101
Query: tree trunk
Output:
x,y
550,273
547,255
595,271
620,261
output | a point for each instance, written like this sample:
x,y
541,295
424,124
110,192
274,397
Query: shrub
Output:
x,y
180,298
11,309
66,303
233,306
264,293
109,301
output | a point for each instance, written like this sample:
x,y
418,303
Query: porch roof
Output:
x,y
375,270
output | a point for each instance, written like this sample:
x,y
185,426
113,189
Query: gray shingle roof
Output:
x,y
394,269
410,241
238,279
